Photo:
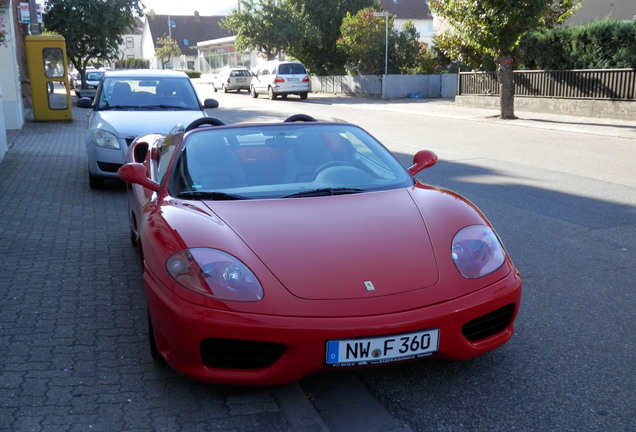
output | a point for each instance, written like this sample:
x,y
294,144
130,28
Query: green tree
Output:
x,y
93,29
264,25
317,48
166,48
558,12
493,28
364,39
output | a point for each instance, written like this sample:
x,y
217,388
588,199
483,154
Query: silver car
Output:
x,y
281,78
129,103
92,82
232,79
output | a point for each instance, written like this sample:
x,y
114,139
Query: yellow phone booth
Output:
x,y
48,74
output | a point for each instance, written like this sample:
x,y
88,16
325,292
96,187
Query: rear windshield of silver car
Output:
x,y
291,69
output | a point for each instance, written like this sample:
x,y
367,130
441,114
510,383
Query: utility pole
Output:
x,y
34,26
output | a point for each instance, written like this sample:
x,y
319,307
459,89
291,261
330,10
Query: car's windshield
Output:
x,y
147,94
283,161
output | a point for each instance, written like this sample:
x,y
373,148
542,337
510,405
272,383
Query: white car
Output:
x,y
232,79
129,103
281,78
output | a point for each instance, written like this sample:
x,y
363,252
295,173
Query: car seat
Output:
x,y
305,157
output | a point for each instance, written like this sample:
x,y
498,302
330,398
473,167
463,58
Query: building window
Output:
x,y
130,43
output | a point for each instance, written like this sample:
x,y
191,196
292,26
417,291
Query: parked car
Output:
x,y
274,251
129,103
232,79
281,78
92,82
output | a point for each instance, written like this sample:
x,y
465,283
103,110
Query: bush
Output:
x,y
605,44
132,63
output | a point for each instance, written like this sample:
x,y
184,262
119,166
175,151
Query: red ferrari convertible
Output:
x,y
275,251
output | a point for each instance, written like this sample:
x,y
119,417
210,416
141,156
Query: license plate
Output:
x,y
292,80
384,349
240,80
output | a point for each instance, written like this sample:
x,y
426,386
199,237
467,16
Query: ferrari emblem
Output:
x,y
369,286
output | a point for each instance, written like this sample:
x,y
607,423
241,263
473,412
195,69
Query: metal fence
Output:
x,y
609,84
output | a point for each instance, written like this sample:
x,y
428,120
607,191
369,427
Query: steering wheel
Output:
x,y
210,121
330,164
299,117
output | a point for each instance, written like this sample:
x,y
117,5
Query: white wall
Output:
x,y
10,91
3,131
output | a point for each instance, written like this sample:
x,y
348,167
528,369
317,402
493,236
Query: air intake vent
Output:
x,y
239,354
489,324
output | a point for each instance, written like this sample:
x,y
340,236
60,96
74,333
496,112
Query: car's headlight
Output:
x,y
476,251
215,274
105,139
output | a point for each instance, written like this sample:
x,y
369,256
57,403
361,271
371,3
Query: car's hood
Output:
x,y
340,247
134,123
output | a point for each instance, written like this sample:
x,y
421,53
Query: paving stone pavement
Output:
x,y
73,331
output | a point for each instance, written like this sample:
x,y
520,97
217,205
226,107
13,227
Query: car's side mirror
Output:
x,y
422,159
84,103
138,174
210,103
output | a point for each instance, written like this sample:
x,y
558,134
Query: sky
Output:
x,y
187,7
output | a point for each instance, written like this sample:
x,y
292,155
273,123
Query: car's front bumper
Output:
x,y
104,162
183,330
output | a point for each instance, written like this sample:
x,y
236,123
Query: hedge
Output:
x,y
605,44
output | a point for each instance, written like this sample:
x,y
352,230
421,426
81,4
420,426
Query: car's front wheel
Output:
x,y
271,93
253,92
154,350
224,89
95,182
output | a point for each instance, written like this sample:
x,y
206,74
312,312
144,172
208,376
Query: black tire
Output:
x,y
152,342
271,94
253,92
224,88
95,182
303,95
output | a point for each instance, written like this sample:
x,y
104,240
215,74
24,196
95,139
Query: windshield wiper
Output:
x,y
210,195
121,107
324,192
161,106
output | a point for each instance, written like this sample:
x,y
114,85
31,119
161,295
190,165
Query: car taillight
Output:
x,y
279,79
228,80
306,79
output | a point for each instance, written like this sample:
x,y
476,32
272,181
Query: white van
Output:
x,y
282,78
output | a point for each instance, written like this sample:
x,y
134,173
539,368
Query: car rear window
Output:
x,y
291,69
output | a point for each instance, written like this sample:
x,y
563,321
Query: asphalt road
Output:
x,y
561,191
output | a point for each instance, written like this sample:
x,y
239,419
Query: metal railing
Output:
x,y
609,84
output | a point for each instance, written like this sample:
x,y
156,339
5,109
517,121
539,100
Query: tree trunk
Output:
x,y
507,97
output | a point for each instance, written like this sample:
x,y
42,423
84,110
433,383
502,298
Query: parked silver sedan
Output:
x,y
232,79
129,103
